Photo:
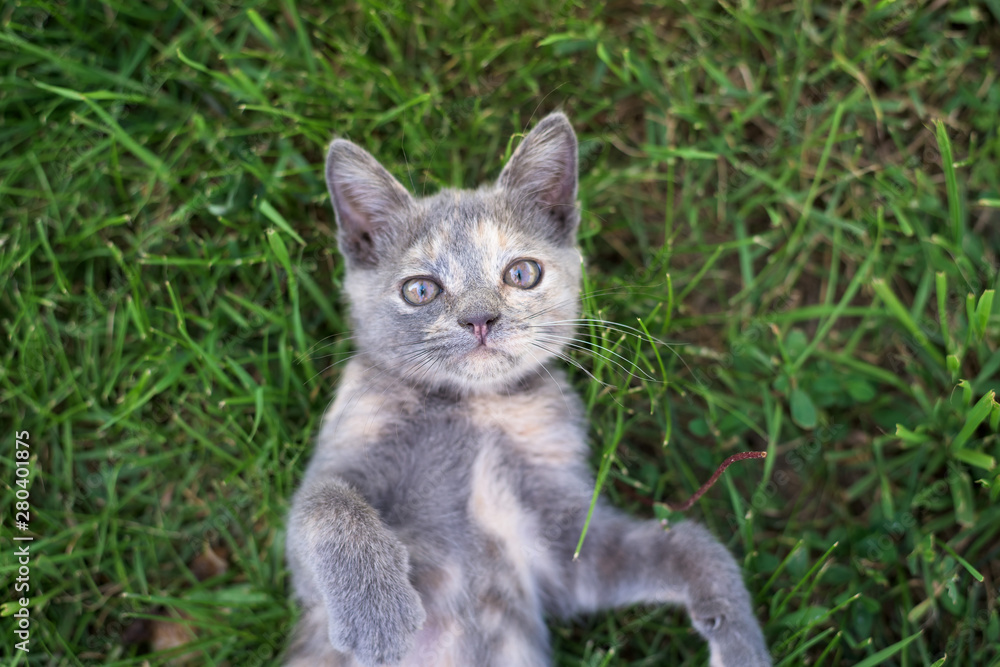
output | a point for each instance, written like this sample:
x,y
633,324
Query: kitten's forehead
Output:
x,y
462,241
462,253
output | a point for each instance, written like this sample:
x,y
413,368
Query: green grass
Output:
x,y
803,197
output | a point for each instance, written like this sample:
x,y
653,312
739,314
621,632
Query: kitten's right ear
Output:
x,y
543,170
368,201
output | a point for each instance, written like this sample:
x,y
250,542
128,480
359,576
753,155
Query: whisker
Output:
x,y
587,347
624,329
570,360
591,294
322,342
548,372
397,346
615,326
423,361
357,354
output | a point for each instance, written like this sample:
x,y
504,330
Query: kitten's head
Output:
x,y
466,290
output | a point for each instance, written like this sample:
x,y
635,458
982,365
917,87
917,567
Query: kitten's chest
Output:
x,y
539,428
535,440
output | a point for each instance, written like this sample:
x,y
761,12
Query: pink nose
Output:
x,y
479,325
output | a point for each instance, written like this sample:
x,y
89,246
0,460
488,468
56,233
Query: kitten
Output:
x,y
437,520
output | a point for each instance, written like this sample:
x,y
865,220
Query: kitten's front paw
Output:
x,y
380,629
733,635
375,611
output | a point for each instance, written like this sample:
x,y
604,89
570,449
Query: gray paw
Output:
x,y
733,635
373,609
378,628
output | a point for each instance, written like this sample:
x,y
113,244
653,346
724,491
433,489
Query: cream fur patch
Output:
x,y
495,507
536,424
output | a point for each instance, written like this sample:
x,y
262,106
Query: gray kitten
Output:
x,y
437,520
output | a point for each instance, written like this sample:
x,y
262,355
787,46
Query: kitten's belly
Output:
x,y
437,644
444,644
482,599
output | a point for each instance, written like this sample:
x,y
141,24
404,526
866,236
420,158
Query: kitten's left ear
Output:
x,y
543,170
368,201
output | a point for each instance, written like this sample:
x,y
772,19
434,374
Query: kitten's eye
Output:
x,y
420,291
524,273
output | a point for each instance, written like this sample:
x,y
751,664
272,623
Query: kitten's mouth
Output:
x,y
488,352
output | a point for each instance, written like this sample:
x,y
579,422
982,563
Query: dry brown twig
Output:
x,y
742,456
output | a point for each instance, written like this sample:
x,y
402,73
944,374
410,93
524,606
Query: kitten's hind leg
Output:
x,y
625,562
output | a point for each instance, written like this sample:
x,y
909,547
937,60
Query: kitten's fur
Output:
x,y
437,520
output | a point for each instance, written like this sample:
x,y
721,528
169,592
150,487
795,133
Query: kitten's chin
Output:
x,y
488,370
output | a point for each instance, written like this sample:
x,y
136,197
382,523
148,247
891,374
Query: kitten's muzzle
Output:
x,y
479,325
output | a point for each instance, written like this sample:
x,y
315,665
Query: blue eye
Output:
x,y
524,273
420,291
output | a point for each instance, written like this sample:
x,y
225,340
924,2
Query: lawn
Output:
x,y
801,201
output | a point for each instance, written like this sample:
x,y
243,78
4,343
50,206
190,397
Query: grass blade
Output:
x,y
951,182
